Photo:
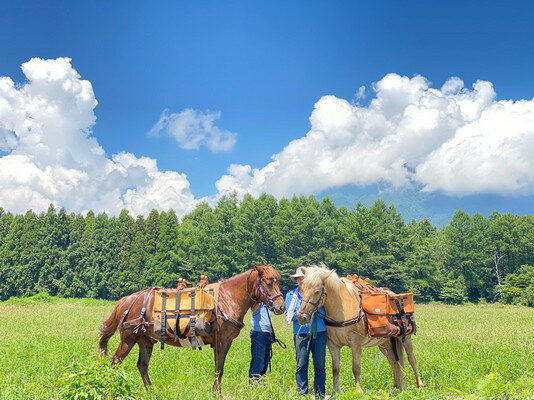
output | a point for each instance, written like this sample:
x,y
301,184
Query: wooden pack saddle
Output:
x,y
186,313
388,314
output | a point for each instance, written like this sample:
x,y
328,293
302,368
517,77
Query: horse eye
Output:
x,y
316,292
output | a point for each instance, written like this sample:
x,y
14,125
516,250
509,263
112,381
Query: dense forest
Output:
x,y
473,258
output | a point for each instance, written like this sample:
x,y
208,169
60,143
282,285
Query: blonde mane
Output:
x,y
315,272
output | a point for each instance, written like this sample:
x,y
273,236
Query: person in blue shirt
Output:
x,y
309,337
261,342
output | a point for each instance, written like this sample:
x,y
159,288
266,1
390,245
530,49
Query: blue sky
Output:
x,y
262,65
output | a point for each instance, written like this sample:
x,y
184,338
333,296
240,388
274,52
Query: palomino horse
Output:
x,y
236,296
341,300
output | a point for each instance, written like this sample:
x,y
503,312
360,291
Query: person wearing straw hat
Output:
x,y
309,337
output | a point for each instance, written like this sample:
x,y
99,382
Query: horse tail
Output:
x,y
108,328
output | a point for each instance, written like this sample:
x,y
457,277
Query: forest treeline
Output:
x,y
473,258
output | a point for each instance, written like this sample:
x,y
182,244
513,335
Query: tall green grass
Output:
x,y
45,298
464,352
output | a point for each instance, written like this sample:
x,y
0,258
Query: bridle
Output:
x,y
316,304
259,292
268,302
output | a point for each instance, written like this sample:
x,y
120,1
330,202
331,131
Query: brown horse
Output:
x,y
322,286
236,296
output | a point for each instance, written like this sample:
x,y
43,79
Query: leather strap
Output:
x,y
177,314
224,317
192,320
341,324
394,347
125,313
163,319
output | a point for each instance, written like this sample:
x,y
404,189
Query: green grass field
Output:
x,y
463,352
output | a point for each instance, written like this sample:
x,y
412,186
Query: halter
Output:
x,y
317,304
260,291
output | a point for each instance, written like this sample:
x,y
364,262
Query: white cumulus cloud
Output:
x,y
51,157
193,129
455,140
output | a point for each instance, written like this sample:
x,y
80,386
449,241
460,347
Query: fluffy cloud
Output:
x,y
50,156
193,129
456,140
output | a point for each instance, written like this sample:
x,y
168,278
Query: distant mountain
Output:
x,y
438,208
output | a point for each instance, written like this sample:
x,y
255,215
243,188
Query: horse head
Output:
x,y
267,288
313,291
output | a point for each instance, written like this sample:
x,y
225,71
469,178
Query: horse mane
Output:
x,y
315,272
268,272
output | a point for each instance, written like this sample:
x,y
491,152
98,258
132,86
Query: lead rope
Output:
x,y
311,333
274,339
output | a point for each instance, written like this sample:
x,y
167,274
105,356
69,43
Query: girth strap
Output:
x,y
394,347
177,314
163,332
400,308
192,320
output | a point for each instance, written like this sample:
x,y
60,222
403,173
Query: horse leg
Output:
x,y
145,352
413,362
220,351
387,350
335,353
128,340
357,366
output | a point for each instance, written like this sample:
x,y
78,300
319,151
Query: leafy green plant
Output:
x,y
39,298
96,380
453,291
519,287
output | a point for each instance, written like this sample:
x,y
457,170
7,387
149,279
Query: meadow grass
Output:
x,y
464,352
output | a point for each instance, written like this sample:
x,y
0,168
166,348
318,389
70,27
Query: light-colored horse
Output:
x,y
341,299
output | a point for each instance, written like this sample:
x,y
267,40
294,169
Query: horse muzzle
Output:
x,y
279,307
303,318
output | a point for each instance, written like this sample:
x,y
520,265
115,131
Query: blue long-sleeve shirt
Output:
x,y
303,329
260,320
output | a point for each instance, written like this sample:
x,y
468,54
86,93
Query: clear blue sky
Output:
x,y
263,65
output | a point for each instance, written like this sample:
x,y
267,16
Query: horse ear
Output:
x,y
326,274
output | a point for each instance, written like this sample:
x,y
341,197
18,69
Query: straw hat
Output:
x,y
298,273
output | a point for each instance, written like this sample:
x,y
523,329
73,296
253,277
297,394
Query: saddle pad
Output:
x,y
204,305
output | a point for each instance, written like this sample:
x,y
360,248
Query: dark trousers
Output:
x,y
260,348
317,347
